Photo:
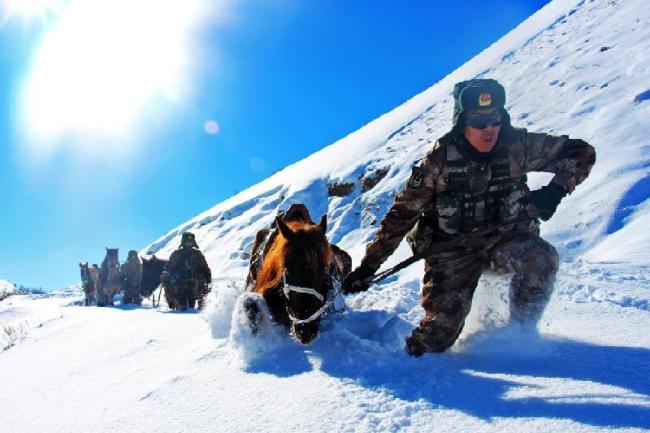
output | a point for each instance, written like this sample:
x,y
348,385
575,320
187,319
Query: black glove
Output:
x,y
545,200
356,280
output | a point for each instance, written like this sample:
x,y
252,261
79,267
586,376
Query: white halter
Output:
x,y
287,288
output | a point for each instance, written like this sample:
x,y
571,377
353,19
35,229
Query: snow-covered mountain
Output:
x,y
578,69
581,69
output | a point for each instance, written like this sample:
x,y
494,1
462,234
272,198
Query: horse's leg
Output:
x,y
252,310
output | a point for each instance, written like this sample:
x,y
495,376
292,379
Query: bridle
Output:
x,y
85,275
288,288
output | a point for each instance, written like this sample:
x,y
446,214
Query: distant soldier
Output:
x,y
131,273
474,179
187,277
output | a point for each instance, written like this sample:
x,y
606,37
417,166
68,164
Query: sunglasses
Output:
x,y
482,122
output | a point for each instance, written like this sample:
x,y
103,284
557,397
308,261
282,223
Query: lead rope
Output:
x,y
464,241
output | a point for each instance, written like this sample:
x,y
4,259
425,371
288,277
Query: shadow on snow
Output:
x,y
469,381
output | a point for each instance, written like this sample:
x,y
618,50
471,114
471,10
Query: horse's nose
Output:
x,y
306,333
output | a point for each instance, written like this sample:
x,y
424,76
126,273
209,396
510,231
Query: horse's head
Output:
x,y
112,256
306,278
83,269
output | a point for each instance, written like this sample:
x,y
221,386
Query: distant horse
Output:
x,y
109,281
295,277
151,271
89,275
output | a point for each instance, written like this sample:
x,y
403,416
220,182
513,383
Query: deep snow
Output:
x,y
577,68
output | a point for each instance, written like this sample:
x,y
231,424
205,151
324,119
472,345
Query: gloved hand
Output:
x,y
356,280
545,200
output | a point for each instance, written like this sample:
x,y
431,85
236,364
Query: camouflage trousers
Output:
x,y
451,279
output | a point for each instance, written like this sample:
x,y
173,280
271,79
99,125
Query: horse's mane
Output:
x,y
315,248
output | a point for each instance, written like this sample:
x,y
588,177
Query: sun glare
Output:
x,y
29,8
101,65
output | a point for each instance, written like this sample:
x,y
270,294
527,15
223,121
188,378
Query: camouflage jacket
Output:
x,y
187,264
455,192
131,272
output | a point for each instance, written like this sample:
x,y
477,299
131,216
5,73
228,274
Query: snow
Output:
x,y
573,68
7,289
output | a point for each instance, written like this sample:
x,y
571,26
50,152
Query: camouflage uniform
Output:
x,y
131,272
456,190
187,273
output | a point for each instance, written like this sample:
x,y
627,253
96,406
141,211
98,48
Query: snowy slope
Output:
x,y
576,68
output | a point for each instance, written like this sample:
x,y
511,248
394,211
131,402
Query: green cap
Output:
x,y
477,94
189,236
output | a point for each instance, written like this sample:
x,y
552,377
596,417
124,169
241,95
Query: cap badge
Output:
x,y
485,100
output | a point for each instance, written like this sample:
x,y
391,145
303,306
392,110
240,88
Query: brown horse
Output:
x,y
89,276
295,277
108,282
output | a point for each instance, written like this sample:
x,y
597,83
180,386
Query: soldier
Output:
x,y
131,272
473,179
187,275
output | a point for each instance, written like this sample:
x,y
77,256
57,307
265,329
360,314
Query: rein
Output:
x,y
468,240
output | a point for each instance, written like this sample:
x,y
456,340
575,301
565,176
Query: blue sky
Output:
x,y
113,150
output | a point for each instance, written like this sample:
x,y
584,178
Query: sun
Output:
x,y
105,63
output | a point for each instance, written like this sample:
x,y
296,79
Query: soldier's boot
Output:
x,y
424,339
253,314
528,305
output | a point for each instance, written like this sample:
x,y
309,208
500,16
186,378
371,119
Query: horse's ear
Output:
x,y
106,249
323,223
284,228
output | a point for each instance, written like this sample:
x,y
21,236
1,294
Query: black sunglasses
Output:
x,y
482,122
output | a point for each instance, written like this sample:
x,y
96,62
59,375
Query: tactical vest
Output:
x,y
460,209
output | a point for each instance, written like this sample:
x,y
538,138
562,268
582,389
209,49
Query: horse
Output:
x,y
108,281
89,282
151,271
295,277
